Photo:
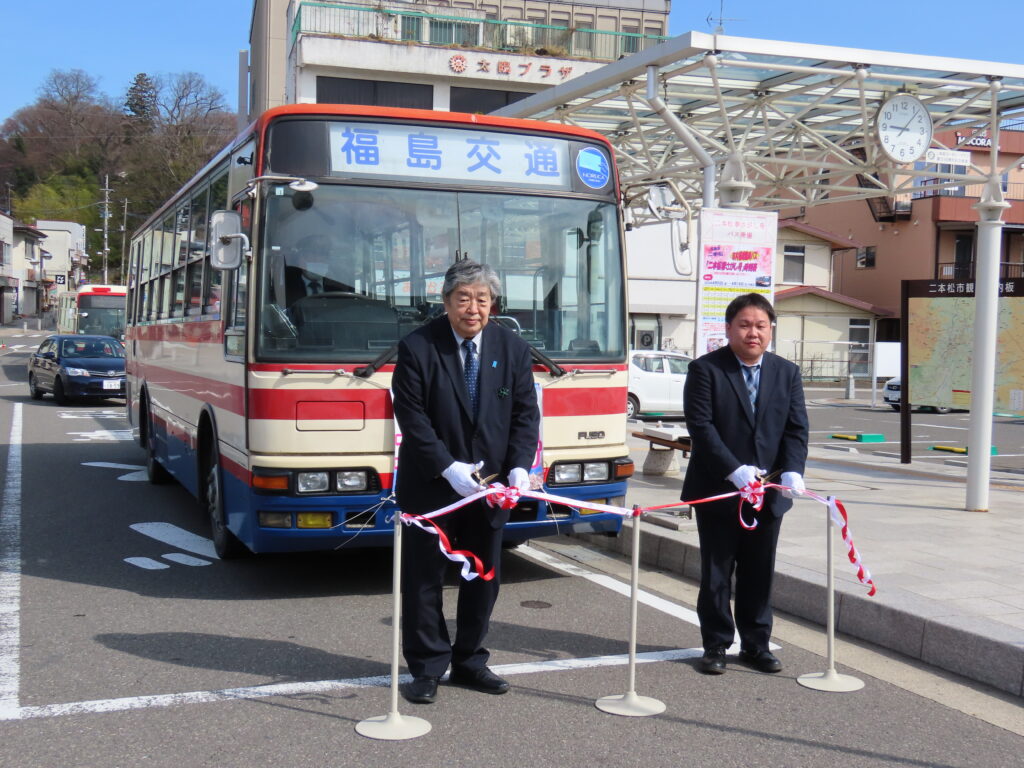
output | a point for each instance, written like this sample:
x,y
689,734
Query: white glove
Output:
x,y
460,476
795,481
744,475
519,478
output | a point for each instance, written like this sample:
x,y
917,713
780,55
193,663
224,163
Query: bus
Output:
x,y
93,309
275,410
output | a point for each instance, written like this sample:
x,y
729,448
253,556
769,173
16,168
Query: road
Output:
x,y
125,641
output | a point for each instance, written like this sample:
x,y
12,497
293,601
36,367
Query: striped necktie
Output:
x,y
472,373
752,374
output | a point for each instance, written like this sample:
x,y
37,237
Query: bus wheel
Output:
x,y
155,471
225,543
34,392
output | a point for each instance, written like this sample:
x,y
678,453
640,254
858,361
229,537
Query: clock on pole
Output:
x,y
904,128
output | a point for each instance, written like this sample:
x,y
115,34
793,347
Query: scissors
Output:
x,y
484,480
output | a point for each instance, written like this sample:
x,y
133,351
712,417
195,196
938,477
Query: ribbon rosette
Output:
x,y
753,494
500,496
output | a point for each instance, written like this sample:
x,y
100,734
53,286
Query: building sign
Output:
x,y
480,63
972,140
947,157
737,256
424,153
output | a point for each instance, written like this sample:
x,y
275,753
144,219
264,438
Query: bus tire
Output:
x,y
225,543
34,392
155,471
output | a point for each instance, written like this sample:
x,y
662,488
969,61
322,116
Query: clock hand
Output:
x,y
907,126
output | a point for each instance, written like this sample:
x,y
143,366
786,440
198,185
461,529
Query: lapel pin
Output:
x,y
504,392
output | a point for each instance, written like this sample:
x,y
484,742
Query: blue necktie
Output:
x,y
750,375
472,373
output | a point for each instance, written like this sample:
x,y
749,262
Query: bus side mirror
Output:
x,y
226,240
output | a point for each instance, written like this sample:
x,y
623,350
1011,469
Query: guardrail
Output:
x,y
468,31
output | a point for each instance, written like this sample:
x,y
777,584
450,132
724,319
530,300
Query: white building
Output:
x,y
28,264
458,55
65,240
8,280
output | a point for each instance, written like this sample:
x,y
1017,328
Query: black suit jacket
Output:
x,y
725,432
435,417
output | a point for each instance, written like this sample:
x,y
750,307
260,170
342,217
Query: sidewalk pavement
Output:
x,y
950,583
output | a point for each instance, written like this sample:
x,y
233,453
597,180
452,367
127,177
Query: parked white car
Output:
x,y
656,382
893,394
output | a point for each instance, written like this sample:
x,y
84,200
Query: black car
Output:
x,y
77,367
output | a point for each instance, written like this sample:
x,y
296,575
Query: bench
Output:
x,y
664,442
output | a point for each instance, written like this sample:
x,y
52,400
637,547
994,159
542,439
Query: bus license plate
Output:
x,y
112,384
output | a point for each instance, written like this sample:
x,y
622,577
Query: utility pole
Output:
x,y
124,232
106,219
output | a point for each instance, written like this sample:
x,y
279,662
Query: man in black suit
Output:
x,y
746,417
466,406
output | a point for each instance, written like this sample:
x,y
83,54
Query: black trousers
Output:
x,y
727,549
426,643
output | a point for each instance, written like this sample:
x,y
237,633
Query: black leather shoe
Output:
x,y
762,661
422,690
713,662
482,680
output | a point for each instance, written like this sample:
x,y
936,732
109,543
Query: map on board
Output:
x,y
940,336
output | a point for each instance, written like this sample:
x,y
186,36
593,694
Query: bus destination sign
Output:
x,y
449,154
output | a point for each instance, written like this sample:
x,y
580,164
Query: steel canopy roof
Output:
x,y
778,124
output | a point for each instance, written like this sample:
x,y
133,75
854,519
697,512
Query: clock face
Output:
x,y
904,128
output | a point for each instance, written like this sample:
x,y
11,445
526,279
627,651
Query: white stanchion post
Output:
x,y
830,680
630,704
394,726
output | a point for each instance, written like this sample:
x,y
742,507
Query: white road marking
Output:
x,y
176,537
147,563
137,475
112,435
10,573
609,582
178,557
87,414
319,687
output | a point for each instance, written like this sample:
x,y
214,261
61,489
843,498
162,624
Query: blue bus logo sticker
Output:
x,y
592,168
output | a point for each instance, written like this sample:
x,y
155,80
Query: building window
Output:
x,y
344,90
482,100
866,257
793,264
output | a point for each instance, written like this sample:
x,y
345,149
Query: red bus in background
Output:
x,y
93,309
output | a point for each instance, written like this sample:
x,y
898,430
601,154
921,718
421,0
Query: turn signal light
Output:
x,y
623,468
270,482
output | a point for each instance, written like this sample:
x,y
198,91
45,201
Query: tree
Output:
x,y
141,103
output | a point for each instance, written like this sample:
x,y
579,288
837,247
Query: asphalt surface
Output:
x,y
273,660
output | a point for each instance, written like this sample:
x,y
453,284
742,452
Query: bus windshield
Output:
x,y
346,271
102,315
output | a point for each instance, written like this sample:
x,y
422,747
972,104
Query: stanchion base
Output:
x,y
630,705
831,681
393,727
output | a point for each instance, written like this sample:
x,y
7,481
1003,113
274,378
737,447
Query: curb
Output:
x,y
976,648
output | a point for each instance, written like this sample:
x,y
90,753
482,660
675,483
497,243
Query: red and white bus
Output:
x,y
95,309
273,407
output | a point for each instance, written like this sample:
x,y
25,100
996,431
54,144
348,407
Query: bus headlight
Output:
x,y
568,473
312,482
351,480
594,471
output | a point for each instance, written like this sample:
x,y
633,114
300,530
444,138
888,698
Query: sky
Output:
x,y
113,40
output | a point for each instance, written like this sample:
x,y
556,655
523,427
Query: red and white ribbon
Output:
x,y
506,497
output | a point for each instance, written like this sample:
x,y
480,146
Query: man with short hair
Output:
x,y
746,417
466,406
